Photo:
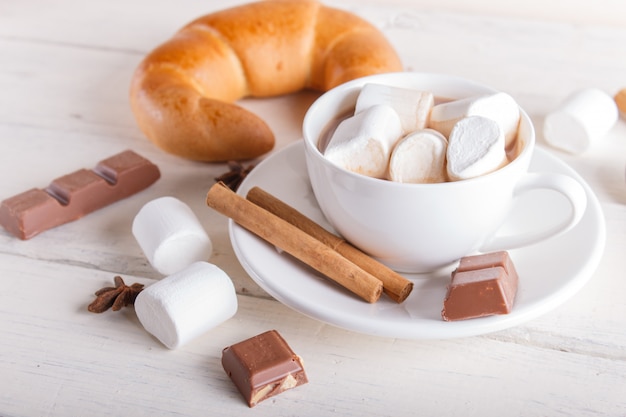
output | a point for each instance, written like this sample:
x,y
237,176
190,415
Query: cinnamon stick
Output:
x,y
295,242
395,285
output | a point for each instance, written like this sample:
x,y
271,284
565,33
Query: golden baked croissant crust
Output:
x,y
182,93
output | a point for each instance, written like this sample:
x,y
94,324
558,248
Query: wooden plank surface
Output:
x,y
64,74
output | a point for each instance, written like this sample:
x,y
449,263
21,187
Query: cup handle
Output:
x,y
563,184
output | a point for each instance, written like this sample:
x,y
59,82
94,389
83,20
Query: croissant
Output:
x,y
183,93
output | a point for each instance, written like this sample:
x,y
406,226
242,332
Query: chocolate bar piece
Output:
x,y
72,196
263,366
482,285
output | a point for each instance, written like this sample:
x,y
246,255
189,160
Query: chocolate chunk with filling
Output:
x,y
482,285
263,366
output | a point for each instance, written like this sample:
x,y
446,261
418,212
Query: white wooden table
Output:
x,y
65,68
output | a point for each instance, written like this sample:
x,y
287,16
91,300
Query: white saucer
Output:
x,y
550,272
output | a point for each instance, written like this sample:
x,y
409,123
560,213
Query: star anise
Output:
x,y
115,297
236,174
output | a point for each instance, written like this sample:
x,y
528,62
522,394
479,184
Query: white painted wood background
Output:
x,y
65,68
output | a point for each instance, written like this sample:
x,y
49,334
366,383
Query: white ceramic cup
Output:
x,y
422,227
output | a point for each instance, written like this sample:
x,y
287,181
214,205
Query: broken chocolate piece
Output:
x,y
72,196
482,285
263,366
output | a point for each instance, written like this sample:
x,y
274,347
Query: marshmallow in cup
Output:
x,y
419,228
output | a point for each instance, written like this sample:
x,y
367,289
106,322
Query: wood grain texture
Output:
x,y
64,77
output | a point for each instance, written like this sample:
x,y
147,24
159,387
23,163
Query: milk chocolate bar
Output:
x,y
263,366
482,285
72,196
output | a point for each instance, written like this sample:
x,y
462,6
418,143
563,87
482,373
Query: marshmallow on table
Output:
x,y
413,106
362,143
499,107
476,147
185,305
583,117
419,157
170,235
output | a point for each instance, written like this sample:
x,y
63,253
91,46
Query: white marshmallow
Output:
x,y
585,116
475,147
419,157
170,235
362,143
185,305
500,107
413,106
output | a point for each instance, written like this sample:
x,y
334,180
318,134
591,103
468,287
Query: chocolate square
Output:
x,y
482,285
263,366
